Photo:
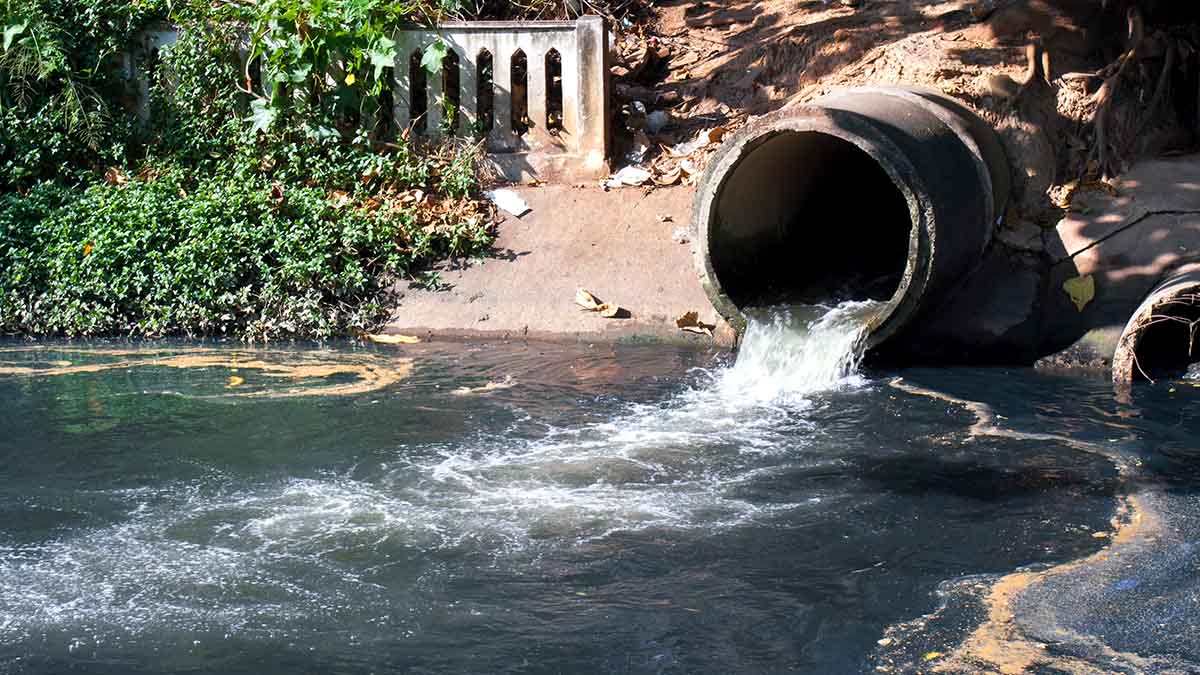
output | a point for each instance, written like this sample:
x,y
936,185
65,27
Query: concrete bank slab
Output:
x,y
617,245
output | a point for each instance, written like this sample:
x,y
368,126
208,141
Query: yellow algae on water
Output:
x,y
289,374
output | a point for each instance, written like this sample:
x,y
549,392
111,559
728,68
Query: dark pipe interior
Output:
x,y
1167,345
806,217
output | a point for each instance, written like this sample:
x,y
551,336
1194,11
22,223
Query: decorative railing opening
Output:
x,y
554,92
484,93
520,93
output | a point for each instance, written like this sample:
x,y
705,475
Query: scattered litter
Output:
x,y
884,642
657,121
508,383
234,381
681,236
665,218
509,201
930,656
628,176
1081,289
691,323
386,339
701,141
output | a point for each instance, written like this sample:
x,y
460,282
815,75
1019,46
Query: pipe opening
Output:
x,y
1166,345
807,217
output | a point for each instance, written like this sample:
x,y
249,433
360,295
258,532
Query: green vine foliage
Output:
x,y
254,203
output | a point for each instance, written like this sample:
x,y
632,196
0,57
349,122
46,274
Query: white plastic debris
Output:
x,y
630,175
509,201
681,235
657,121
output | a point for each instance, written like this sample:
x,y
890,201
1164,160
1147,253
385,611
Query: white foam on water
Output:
x,y
191,558
788,354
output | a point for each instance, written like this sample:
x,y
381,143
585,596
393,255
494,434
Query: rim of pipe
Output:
x,y
847,127
1181,289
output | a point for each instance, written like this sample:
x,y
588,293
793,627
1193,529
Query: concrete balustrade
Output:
x,y
521,141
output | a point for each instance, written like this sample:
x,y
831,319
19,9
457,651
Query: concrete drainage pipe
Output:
x,y
1160,339
869,193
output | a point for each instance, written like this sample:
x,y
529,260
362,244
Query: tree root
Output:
x,y
1103,98
1160,89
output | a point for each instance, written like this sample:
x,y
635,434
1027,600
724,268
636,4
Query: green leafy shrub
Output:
x,y
208,255
256,213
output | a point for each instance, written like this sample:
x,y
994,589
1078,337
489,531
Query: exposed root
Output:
x,y
1104,96
1160,89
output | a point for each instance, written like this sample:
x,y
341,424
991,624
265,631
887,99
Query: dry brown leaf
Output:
x,y
387,339
114,176
668,177
690,322
609,310
586,300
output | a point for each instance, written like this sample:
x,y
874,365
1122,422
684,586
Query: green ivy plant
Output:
x,y
235,210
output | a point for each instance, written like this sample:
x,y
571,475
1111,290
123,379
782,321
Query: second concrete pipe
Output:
x,y
877,193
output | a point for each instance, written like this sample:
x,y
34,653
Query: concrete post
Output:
x,y
593,123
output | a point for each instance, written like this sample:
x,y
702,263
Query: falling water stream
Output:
x,y
522,507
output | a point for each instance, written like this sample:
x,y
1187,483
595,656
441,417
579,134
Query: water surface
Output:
x,y
525,507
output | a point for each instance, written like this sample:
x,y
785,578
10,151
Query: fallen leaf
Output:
x,y
668,178
114,176
386,339
691,323
1081,289
586,300
929,656
610,310
234,381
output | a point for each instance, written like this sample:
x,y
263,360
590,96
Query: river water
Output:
x,y
529,507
